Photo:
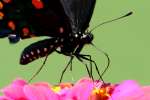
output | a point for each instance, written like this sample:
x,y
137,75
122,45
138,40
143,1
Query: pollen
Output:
x,y
56,89
103,93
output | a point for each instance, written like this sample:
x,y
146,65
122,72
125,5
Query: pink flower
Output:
x,y
20,90
130,90
146,90
84,89
81,90
14,91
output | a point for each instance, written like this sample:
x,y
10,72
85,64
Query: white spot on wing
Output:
x,y
23,57
58,49
38,51
76,35
32,53
51,46
84,36
61,29
27,55
45,49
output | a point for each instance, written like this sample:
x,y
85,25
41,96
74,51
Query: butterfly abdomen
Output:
x,y
38,50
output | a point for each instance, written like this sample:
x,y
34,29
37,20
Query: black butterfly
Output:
x,y
65,22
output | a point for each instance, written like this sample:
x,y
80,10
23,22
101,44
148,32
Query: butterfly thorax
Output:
x,y
73,42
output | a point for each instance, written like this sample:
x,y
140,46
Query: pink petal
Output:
x,y
14,90
146,90
81,90
39,93
5,98
128,90
19,82
45,84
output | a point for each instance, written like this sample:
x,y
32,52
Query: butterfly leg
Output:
x,y
39,70
85,57
62,74
71,65
91,68
89,71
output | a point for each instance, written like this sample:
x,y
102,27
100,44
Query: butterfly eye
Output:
x,y
13,38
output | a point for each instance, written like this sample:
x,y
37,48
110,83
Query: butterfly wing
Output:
x,y
51,20
38,49
14,17
79,12
28,18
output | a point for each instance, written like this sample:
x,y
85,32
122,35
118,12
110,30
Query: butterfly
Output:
x,y
64,22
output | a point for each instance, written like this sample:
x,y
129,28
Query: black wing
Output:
x,y
26,19
51,20
79,12
38,50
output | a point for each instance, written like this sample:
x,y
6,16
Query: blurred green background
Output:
x,y
126,41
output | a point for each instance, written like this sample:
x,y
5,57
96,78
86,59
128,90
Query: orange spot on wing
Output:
x,y
1,15
26,31
7,1
1,5
11,25
38,4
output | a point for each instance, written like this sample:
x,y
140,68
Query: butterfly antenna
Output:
x,y
38,71
107,56
126,15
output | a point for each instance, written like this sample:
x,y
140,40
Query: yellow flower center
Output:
x,y
56,88
102,93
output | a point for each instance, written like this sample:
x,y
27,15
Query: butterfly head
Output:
x,y
87,37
